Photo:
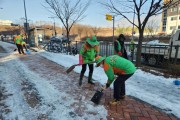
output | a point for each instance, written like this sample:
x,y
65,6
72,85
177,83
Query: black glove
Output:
x,y
107,85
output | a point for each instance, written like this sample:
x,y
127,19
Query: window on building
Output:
x,y
174,9
173,18
165,14
172,27
164,29
165,18
179,27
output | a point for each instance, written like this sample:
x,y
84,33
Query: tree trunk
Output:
x,y
67,32
138,56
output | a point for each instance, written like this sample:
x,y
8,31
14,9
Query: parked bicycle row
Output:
x,y
60,45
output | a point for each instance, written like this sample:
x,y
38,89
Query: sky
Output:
x,y
14,10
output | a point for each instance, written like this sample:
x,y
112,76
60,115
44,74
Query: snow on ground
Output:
x,y
155,90
156,42
53,103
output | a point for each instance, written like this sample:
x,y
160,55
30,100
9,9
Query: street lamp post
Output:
x,y
54,25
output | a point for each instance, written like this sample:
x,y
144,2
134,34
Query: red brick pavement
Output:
x,y
133,109
128,109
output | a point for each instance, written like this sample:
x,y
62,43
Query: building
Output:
x,y
34,36
171,18
5,22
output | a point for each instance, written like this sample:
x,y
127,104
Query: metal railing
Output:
x,y
155,55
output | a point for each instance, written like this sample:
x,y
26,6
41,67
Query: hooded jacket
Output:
x,y
89,53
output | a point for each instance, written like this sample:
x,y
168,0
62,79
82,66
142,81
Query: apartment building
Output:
x,y
171,18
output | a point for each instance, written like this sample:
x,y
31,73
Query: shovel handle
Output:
x,y
86,63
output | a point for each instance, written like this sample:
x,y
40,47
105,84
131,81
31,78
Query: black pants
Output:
x,y
119,86
20,48
91,68
24,47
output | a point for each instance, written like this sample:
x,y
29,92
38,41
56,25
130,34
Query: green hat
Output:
x,y
99,59
92,41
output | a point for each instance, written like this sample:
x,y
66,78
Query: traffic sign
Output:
x,y
109,17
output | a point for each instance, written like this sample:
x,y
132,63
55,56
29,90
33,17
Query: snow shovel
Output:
x,y
28,52
97,97
73,66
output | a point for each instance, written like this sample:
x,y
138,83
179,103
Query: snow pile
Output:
x,y
155,42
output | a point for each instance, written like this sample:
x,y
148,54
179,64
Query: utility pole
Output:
x,y
113,26
26,24
110,18
54,25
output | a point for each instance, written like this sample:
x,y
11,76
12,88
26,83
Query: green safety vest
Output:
x,y
116,65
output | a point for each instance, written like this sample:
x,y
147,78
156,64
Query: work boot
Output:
x,y
114,102
90,78
80,79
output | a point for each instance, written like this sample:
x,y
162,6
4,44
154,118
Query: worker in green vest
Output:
x,y
18,41
119,48
87,55
116,65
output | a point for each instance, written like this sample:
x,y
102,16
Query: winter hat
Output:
x,y
92,41
99,59
121,36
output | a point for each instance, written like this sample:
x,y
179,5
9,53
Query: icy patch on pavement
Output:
x,y
53,103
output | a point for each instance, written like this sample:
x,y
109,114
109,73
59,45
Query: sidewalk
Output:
x,y
133,109
129,109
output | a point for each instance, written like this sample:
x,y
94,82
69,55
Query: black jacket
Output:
x,y
123,50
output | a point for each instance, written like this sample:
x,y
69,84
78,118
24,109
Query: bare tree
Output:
x,y
68,11
87,32
79,31
143,9
152,26
95,30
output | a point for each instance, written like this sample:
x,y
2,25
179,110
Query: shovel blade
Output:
x,y
70,68
28,52
97,97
